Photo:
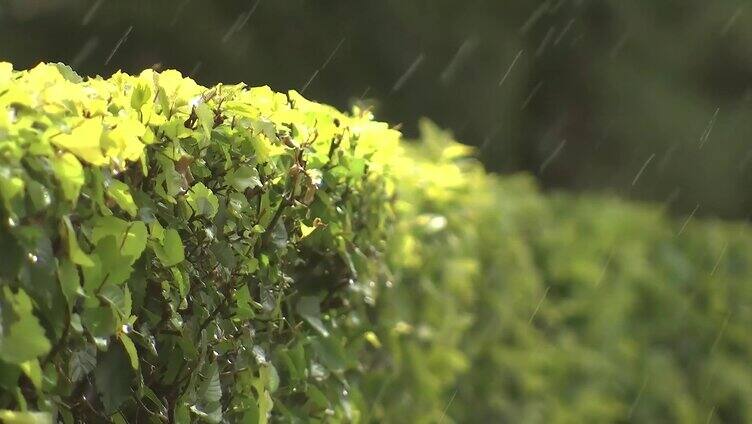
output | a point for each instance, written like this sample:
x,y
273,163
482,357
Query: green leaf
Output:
x,y
70,282
100,321
209,394
121,194
130,348
115,267
202,200
210,389
67,72
84,141
33,371
130,237
170,252
205,118
269,375
25,339
39,195
82,362
244,177
74,250
12,192
141,94
70,173
119,297
113,378
309,308
15,417
265,405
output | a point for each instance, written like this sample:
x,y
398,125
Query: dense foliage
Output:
x,y
168,249
538,309
177,253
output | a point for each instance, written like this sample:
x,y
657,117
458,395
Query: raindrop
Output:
x,y
730,23
564,32
619,45
709,128
178,11
720,258
535,16
637,398
119,43
605,267
408,73
12,222
32,257
689,218
85,51
326,62
552,156
240,22
467,47
91,12
125,329
667,156
532,94
537,307
544,42
509,69
644,166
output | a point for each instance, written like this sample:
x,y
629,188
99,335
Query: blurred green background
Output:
x,y
587,95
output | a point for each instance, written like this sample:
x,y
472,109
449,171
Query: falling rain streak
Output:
x,y
605,268
709,128
564,32
326,62
552,156
689,218
644,166
637,398
509,69
720,258
408,73
91,12
465,50
532,94
84,52
119,43
240,22
537,307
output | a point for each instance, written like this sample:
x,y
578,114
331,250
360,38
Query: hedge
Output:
x,y
557,308
177,253
172,252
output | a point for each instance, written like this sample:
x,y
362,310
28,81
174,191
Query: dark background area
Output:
x,y
599,90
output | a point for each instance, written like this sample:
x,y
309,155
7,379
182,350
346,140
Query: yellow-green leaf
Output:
x,y
74,250
84,141
70,173
121,194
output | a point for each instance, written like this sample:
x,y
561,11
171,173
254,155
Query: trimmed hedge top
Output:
x,y
169,250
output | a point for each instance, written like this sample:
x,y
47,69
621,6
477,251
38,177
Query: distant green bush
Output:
x,y
177,253
532,308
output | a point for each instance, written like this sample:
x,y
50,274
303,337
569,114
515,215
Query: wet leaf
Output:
x,y
113,378
309,308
